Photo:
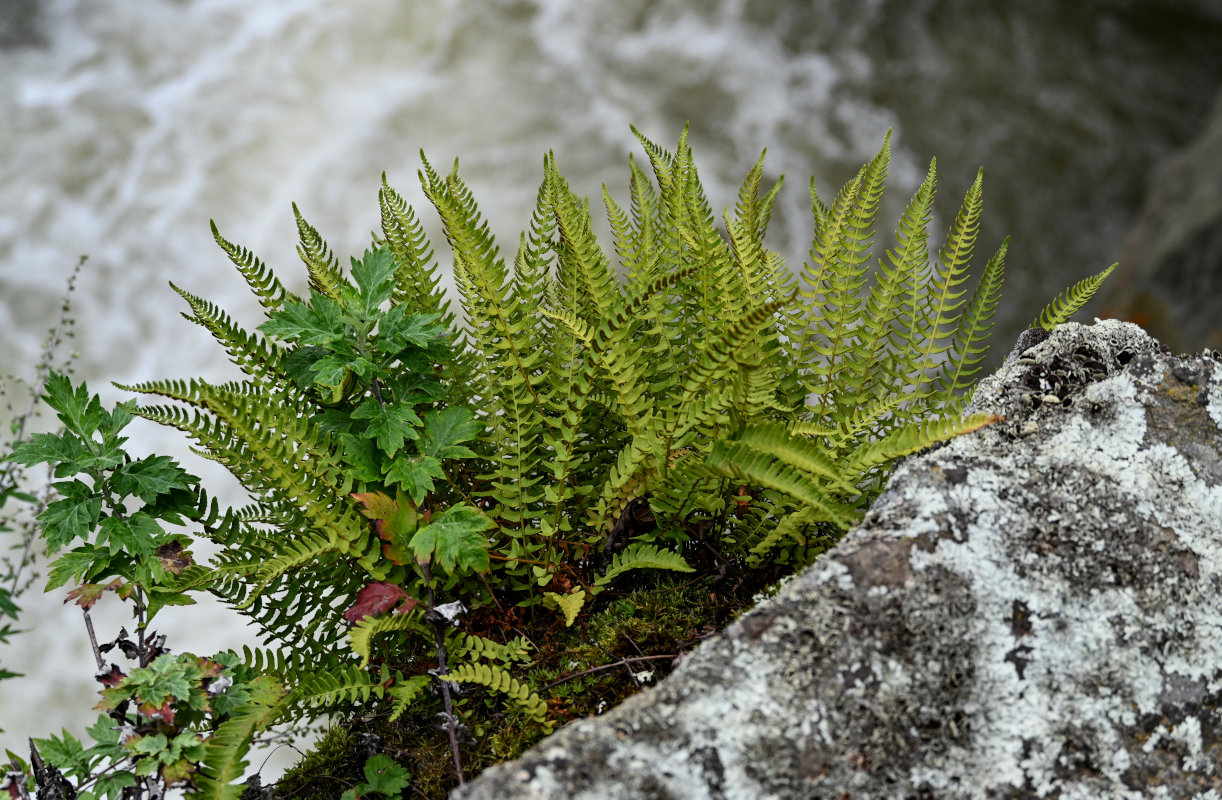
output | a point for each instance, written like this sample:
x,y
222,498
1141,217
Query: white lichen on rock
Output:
x,y
1033,610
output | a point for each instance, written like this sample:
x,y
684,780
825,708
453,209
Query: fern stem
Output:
x,y
439,638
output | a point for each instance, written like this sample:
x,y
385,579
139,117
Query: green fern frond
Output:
x,y
757,467
642,556
226,747
911,438
321,264
942,302
404,692
418,283
968,346
266,286
499,680
360,638
1065,304
322,690
469,646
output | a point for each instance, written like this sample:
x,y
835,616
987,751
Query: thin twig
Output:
x,y
93,641
592,670
439,635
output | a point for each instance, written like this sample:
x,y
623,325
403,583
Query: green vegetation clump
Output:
x,y
466,529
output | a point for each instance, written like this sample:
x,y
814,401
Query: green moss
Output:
x,y
634,639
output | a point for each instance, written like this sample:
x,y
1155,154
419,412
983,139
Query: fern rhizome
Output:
x,y
435,494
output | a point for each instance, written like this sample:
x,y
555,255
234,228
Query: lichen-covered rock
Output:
x,y
1032,610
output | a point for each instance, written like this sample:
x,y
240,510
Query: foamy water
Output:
x,y
125,127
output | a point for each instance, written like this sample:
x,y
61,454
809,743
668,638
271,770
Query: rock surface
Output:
x,y
1031,610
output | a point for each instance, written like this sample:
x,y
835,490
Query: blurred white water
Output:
x,y
125,127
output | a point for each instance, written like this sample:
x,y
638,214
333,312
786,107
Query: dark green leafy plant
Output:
x,y
461,493
382,776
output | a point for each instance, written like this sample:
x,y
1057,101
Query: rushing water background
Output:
x,y
125,127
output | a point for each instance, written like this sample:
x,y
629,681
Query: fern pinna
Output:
x,y
691,401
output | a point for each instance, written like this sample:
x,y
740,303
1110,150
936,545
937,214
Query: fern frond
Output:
x,y
750,465
253,355
266,286
1066,303
403,692
913,437
499,680
225,751
968,346
642,556
943,302
321,264
329,689
471,646
360,638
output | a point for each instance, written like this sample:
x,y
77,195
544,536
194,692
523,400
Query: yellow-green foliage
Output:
x,y
751,411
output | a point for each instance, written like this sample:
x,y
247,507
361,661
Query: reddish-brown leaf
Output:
x,y
162,712
111,677
87,594
375,598
173,558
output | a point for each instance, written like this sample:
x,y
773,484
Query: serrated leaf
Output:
x,y
375,279
415,475
390,424
134,535
320,323
80,412
75,565
394,520
149,477
74,516
445,429
397,329
87,594
454,540
385,776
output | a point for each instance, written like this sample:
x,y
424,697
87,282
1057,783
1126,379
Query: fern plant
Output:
x,y
687,405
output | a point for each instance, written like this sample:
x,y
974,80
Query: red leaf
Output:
x,y
87,594
164,712
111,677
407,606
394,520
375,598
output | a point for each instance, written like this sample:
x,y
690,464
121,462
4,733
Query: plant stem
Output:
x,y
93,641
439,637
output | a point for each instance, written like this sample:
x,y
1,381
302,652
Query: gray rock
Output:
x,y
1031,610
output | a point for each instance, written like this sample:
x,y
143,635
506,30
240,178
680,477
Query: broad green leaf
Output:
x,y
81,413
75,565
385,776
361,456
375,279
134,535
74,516
397,329
319,323
65,451
390,424
415,475
149,477
444,429
454,540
